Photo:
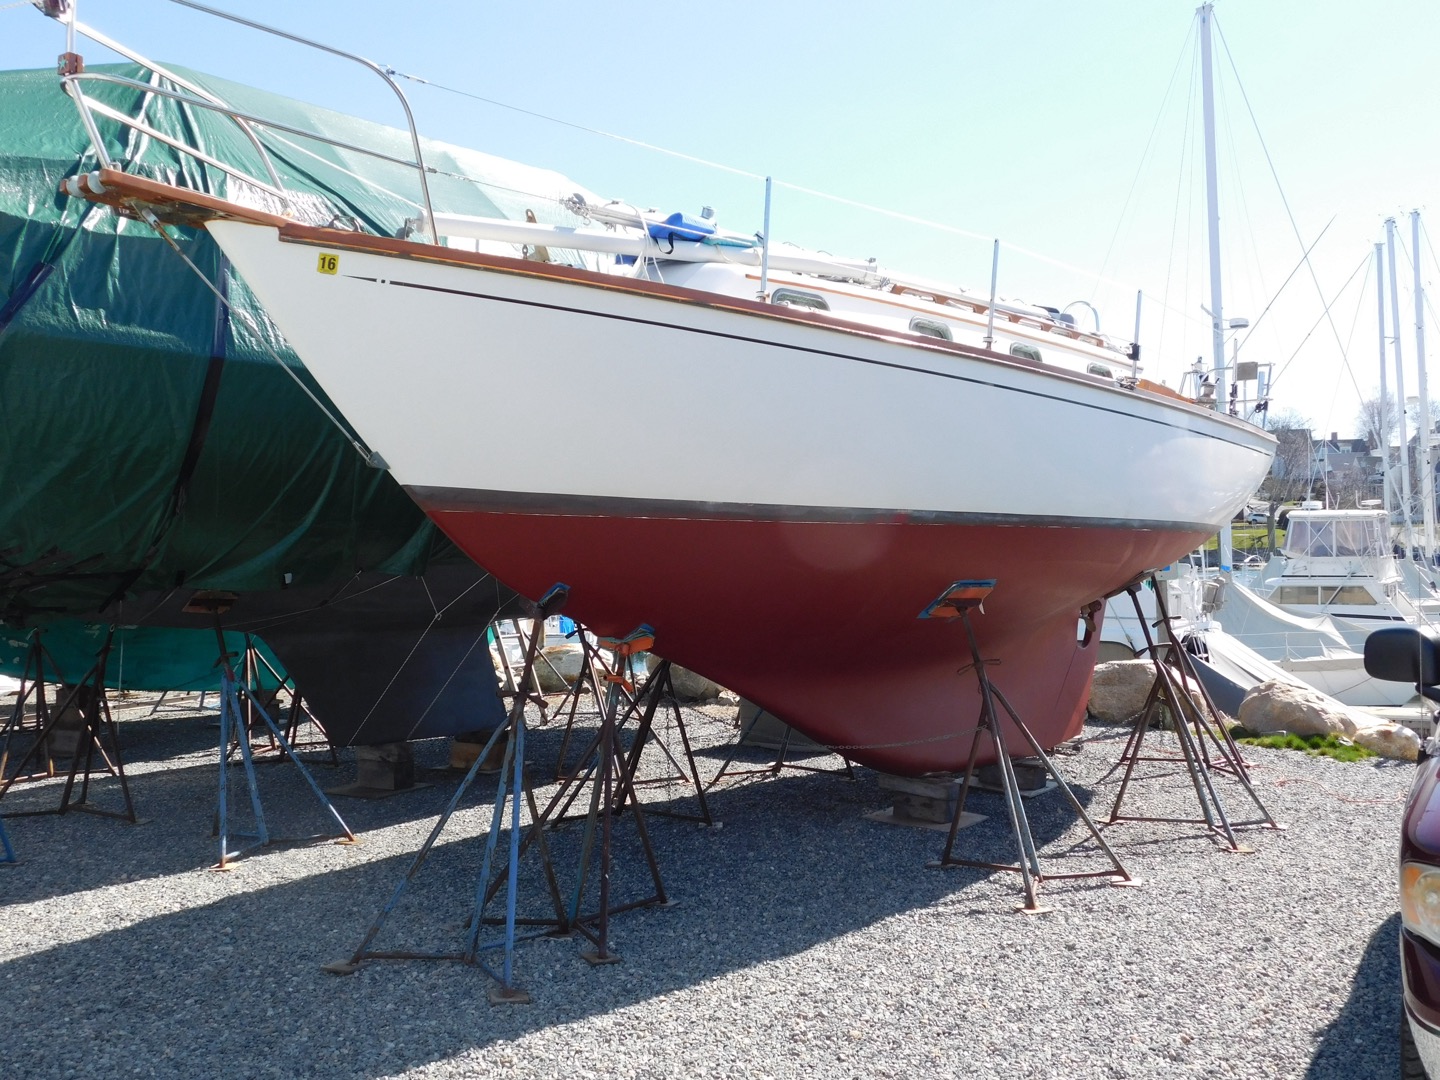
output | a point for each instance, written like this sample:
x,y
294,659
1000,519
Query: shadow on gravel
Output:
x,y
1363,1041
232,985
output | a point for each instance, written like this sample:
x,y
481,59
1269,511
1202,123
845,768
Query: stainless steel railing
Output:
x,y
197,96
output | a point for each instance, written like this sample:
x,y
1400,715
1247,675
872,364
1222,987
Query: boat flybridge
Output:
x,y
1341,563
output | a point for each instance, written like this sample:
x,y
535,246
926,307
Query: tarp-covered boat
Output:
x,y
151,447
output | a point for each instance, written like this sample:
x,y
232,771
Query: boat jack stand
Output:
x,y
611,775
514,784
88,698
956,603
622,696
253,673
8,849
235,729
1198,730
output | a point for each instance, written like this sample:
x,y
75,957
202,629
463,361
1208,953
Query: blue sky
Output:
x,y
1027,121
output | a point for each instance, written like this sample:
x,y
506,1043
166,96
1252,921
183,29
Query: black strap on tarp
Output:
x,y
199,429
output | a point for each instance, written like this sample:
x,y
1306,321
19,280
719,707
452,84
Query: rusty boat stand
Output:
x,y
1206,745
956,604
619,692
98,736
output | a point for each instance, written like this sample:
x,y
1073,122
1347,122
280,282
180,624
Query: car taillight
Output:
x,y
1420,899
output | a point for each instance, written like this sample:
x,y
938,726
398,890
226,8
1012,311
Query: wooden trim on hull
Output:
x,y
817,621
408,249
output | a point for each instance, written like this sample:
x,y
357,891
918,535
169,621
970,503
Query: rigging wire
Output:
x,y
1144,156
1252,265
371,458
842,200
1289,278
1354,322
1269,161
1323,316
1187,138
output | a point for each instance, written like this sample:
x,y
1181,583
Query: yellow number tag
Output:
x,y
329,264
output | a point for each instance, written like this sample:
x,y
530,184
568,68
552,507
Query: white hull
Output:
x,y
448,370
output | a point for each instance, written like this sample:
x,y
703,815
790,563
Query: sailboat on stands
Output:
x,y
863,441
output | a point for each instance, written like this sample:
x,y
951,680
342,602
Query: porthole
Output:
x,y
930,328
796,299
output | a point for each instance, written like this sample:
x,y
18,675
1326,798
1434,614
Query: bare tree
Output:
x,y
1377,423
1292,474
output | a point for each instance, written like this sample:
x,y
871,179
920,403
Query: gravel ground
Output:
x,y
805,941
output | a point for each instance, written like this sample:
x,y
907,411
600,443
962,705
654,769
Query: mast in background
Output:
x,y
1424,463
1382,417
1212,201
1405,500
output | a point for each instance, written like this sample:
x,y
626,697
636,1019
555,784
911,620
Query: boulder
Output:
x,y
1119,689
1279,706
560,667
1392,741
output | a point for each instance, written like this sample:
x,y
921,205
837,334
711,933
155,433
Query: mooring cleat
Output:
x,y
507,995
340,967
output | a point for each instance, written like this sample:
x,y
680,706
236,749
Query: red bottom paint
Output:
x,y
817,622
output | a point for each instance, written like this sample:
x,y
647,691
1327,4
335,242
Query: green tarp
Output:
x,y
107,483
141,657
148,441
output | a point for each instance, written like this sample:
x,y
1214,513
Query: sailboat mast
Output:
x,y
1400,388
1382,411
1425,465
1212,201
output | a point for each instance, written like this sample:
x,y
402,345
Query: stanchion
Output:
x,y
7,849
596,677
611,788
255,667
625,696
1199,731
956,603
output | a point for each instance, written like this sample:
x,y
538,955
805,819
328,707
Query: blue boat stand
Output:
x,y
233,728
514,783
611,777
